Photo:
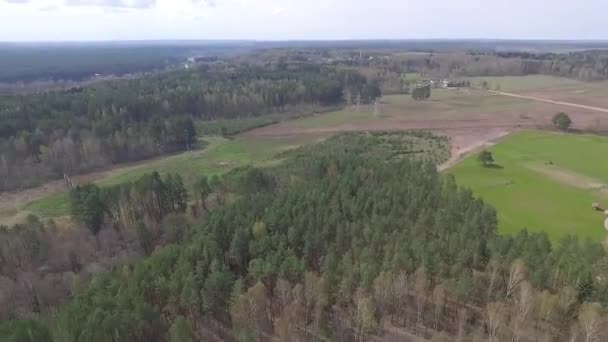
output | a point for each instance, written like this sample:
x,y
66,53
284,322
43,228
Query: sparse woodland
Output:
x,y
341,241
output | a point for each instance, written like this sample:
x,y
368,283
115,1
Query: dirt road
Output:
x,y
570,104
464,145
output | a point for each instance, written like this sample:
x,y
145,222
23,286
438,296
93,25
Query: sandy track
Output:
x,y
562,103
472,144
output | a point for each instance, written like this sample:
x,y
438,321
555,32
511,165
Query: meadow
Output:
x,y
543,181
219,156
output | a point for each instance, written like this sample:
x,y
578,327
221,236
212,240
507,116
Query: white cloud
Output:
x,y
297,19
48,8
277,10
137,4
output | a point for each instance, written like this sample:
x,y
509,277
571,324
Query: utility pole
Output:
x,y
377,109
187,140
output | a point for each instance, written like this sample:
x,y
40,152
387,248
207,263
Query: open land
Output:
x,y
543,181
471,118
219,156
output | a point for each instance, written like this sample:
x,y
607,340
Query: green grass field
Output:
x,y
221,155
544,182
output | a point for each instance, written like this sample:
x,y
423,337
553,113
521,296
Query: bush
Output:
x,y
562,121
486,158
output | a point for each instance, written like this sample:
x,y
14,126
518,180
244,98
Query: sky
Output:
x,y
94,20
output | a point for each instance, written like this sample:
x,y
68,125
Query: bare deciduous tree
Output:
x,y
439,298
365,314
493,271
547,305
590,321
421,284
384,292
524,303
462,319
495,315
282,294
517,274
566,300
400,288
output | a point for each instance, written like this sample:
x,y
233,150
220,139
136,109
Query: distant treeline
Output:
x,y
25,63
43,136
76,62
584,65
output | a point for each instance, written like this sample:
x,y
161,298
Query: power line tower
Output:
x,y
377,108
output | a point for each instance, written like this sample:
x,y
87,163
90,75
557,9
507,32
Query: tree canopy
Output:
x,y
422,93
485,158
562,121
337,234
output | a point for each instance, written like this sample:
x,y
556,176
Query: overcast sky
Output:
x,y
52,20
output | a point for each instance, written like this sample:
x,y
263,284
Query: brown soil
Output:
x,y
470,131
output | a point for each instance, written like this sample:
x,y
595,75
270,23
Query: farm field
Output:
x,y
553,88
448,109
527,83
543,182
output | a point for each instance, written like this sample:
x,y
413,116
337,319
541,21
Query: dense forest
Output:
x,y
345,240
56,62
44,136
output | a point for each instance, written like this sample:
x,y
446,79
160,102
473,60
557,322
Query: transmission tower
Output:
x,y
377,109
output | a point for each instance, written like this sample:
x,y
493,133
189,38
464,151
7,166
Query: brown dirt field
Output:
x,y
471,118
562,103
589,94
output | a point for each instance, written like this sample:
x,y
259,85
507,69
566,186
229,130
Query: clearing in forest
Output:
x,y
543,181
219,156
222,155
